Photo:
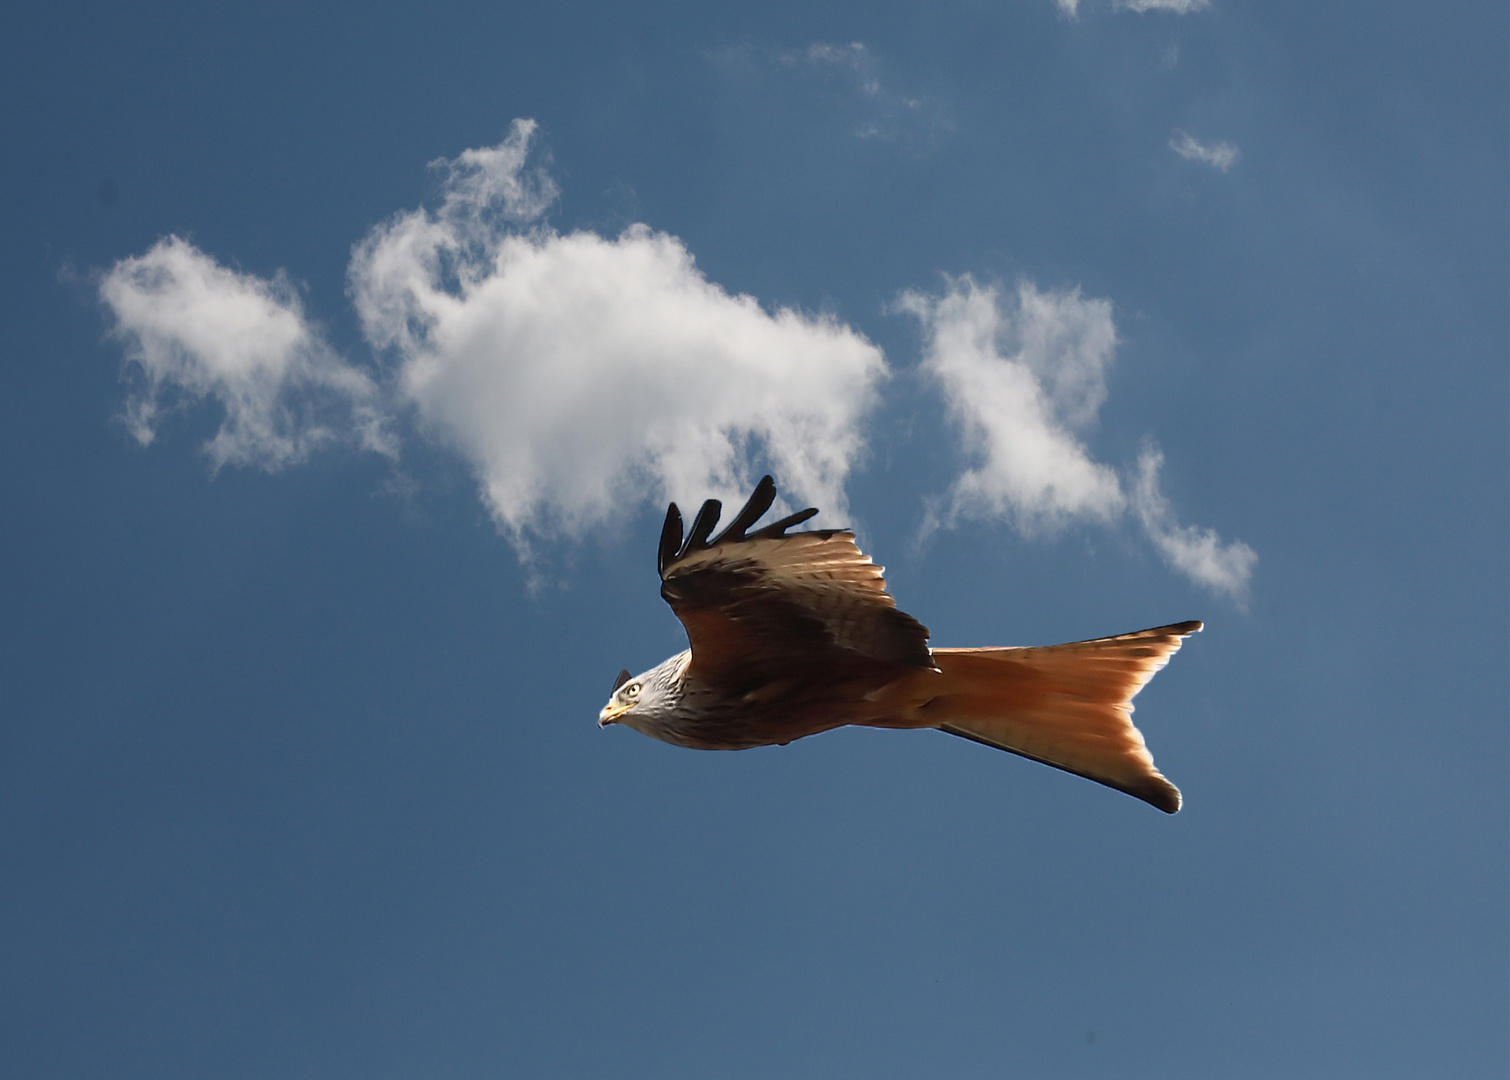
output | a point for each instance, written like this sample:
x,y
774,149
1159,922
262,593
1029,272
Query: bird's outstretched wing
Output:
x,y
768,605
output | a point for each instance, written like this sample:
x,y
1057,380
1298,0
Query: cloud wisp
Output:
x,y
850,76
1220,156
1071,8
1197,553
853,58
1019,375
1022,376
196,331
1178,7
574,371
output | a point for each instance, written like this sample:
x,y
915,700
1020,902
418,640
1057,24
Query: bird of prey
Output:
x,y
793,633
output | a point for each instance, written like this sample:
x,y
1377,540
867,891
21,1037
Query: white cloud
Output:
x,y
576,373
1069,7
1021,374
1197,553
197,330
1220,156
1179,7
494,180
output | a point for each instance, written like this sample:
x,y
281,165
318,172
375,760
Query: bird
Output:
x,y
794,633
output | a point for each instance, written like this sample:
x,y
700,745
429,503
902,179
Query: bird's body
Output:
x,y
795,634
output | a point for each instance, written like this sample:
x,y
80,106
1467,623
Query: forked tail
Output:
x,y
1069,706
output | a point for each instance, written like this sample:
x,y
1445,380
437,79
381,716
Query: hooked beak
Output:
x,y
611,714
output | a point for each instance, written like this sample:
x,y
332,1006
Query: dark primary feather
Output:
x,y
780,527
671,540
672,546
760,501
702,526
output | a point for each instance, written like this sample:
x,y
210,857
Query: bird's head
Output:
x,y
627,689
639,700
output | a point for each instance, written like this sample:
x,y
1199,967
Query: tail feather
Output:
x,y
1069,706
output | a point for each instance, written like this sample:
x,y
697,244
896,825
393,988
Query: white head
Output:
x,y
646,702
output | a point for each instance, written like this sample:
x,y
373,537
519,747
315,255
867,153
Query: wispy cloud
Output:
x,y
1022,374
576,372
853,58
853,73
1179,7
1197,553
194,330
1220,156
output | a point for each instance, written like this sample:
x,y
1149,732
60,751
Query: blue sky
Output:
x,y
353,354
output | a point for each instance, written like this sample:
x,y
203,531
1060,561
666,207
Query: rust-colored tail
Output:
x,y
1069,706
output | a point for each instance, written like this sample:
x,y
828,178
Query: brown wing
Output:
x,y
767,605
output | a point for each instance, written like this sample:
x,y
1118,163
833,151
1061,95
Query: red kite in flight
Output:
x,y
794,633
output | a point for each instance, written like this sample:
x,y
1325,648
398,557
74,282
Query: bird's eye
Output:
x,y
632,690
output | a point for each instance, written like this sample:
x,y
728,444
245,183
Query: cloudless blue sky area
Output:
x,y
299,768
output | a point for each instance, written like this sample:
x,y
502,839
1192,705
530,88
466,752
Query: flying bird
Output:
x,y
793,633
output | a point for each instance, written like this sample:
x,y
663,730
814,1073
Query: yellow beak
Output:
x,y
611,713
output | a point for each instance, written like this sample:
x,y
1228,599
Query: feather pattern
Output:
x,y
1069,706
768,603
